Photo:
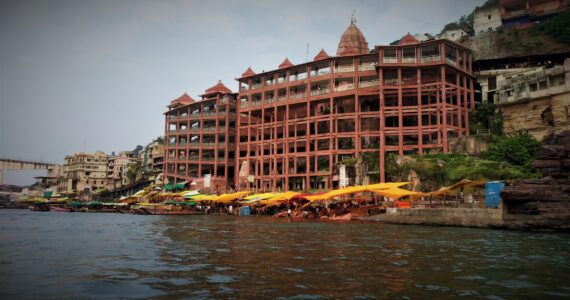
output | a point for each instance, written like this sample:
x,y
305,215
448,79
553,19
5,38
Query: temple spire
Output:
x,y
353,18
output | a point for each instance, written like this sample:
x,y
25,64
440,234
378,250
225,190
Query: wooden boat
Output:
x,y
160,211
39,207
59,208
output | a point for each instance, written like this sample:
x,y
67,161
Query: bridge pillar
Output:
x,y
1,177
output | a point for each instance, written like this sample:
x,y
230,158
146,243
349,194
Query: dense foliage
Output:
x,y
558,28
485,116
508,158
517,149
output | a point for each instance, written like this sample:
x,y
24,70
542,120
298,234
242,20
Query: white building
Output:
x,y
487,19
453,35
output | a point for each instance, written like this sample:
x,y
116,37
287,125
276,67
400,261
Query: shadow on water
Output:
x,y
111,255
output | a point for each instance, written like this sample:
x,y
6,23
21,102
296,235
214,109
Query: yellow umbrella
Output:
x,y
277,199
396,193
263,196
201,197
226,198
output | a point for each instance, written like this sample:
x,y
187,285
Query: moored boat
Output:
x,y
59,208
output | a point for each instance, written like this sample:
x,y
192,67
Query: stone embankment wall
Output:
x,y
543,203
466,217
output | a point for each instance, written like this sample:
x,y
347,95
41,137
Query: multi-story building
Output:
x,y
199,139
152,159
84,172
157,155
297,124
522,13
535,100
118,168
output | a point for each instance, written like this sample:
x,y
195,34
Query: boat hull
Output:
x,y
59,209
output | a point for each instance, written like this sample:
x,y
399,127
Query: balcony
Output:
x,y
431,58
224,99
344,87
194,116
391,81
208,129
409,60
194,144
256,86
243,105
451,61
281,98
194,129
320,72
269,100
366,67
297,77
369,83
256,103
243,88
280,80
209,113
344,69
297,96
208,144
390,60
320,92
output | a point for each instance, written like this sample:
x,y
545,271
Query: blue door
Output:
x,y
492,193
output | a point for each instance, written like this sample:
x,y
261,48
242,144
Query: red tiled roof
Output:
x,y
408,39
286,64
182,100
248,72
218,88
321,55
352,41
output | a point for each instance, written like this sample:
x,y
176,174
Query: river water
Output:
x,y
98,255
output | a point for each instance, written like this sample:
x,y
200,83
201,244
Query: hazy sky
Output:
x,y
97,75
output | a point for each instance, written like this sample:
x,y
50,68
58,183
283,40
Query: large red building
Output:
x,y
297,124
200,139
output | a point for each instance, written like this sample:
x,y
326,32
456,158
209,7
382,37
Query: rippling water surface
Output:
x,y
97,255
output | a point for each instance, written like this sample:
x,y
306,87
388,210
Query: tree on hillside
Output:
x,y
159,140
137,149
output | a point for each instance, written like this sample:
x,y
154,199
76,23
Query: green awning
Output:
x,y
168,187
180,203
180,186
47,194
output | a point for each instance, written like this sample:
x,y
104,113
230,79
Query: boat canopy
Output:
x,y
396,193
356,189
461,184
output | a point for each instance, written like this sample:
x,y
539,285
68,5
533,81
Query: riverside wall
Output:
x,y
464,217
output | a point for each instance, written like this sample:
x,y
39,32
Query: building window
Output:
x,y
489,17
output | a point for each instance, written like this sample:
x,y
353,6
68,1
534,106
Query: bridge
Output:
x,y
53,170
